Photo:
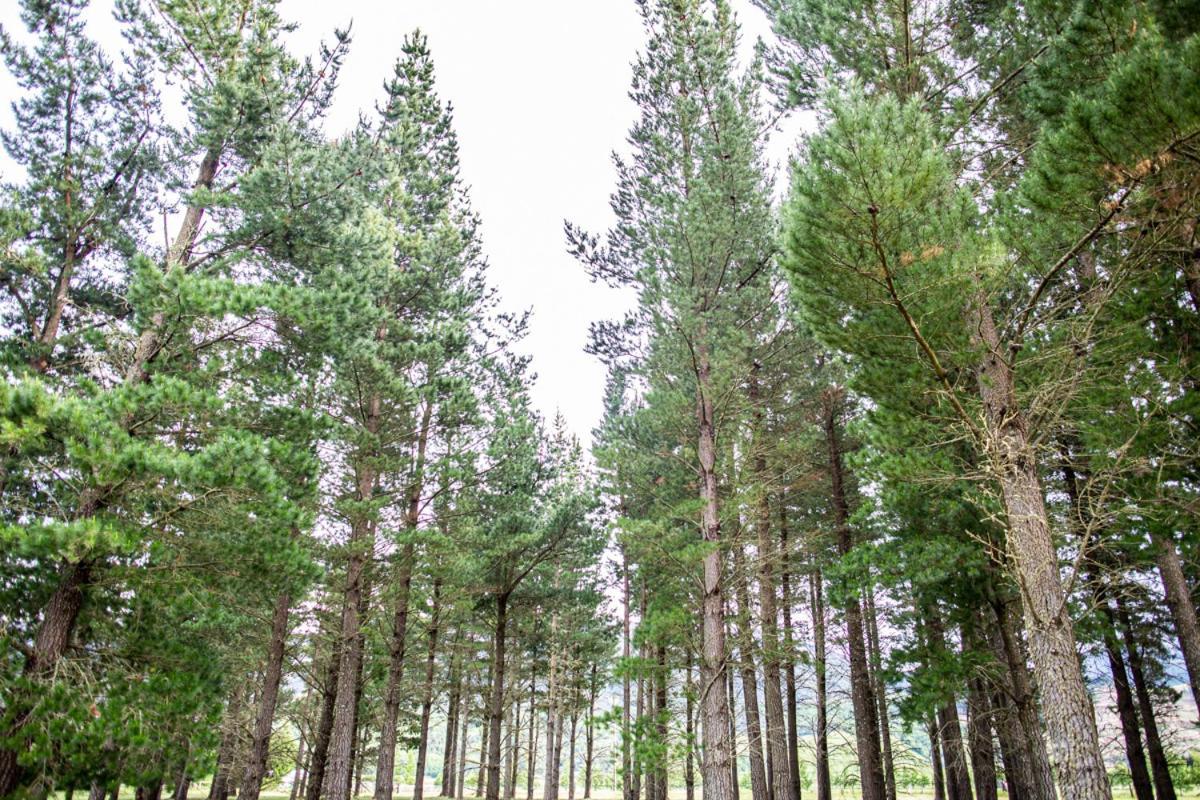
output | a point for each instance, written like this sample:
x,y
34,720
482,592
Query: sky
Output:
x,y
540,96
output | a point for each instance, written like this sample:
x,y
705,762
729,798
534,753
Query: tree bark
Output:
x,y
935,756
1164,786
453,710
714,709
821,734
260,741
866,722
781,784
427,691
496,698
571,759
759,789
885,729
320,747
958,782
1179,601
626,652
733,762
979,729
789,649
689,767
531,764
1070,718
589,733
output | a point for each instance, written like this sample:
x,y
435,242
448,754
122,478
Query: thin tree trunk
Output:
x,y
589,733
935,757
979,731
531,765
496,699
1164,786
514,750
885,729
866,722
320,748
571,759
427,698
758,776
733,762
1179,601
227,752
824,778
789,648
553,723
626,727
958,782
662,712
260,741
486,739
460,783
453,710
689,767
779,763
714,709
385,766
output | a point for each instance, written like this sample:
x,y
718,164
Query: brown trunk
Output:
x,y
553,721
460,783
320,746
958,782
733,762
935,757
227,752
1183,611
427,692
626,727
531,765
979,728
260,739
781,784
866,722
1015,688
821,734
714,709
589,734
689,721
885,728
455,701
789,649
571,759
496,699
1069,716
759,789
662,714
514,744
386,763
1164,786
486,738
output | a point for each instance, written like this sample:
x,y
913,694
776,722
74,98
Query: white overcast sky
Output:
x,y
540,96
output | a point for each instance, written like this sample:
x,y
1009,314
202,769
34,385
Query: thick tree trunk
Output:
x,y
758,775
260,739
714,709
866,721
821,734
1069,716
427,691
496,698
789,653
1164,786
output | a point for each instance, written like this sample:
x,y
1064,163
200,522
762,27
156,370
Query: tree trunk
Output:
x,y
866,722
759,789
885,729
589,733
662,713
789,649
979,729
571,759
460,782
733,762
385,767
427,698
453,710
1070,718
553,723
514,749
320,747
714,709
486,739
227,751
689,767
781,785
496,699
1164,786
1179,601
821,734
935,757
958,782
531,763
260,741
626,727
